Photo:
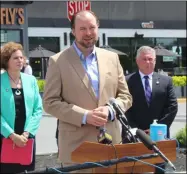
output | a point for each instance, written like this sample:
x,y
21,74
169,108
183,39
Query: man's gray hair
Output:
x,y
145,49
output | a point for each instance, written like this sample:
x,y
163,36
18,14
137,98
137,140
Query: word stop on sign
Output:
x,y
74,6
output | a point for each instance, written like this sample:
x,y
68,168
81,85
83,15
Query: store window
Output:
x,y
10,35
137,43
72,38
40,64
182,49
49,43
120,43
144,41
167,43
177,45
124,45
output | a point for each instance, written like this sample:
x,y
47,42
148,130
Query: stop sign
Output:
x,y
74,6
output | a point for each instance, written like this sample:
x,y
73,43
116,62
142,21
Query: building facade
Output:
x,y
14,23
124,25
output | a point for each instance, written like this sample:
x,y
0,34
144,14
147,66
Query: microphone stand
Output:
x,y
127,129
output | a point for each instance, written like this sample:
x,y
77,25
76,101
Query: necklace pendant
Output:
x,y
18,92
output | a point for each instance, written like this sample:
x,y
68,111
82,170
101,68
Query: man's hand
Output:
x,y
102,111
98,117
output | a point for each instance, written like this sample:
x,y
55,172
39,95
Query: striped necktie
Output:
x,y
148,92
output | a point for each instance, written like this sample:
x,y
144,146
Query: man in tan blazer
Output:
x,y
79,83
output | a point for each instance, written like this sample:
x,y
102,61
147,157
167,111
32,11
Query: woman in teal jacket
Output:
x,y
21,104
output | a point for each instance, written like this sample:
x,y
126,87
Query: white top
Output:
x,y
28,70
143,79
2,71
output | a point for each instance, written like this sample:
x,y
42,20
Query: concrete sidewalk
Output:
x,y
45,137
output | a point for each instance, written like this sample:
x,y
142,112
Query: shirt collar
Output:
x,y
142,75
92,54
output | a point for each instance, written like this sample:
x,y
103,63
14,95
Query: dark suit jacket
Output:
x,y
163,106
56,135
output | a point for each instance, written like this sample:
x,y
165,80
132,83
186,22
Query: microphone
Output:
x,y
119,111
151,145
103,137
129,133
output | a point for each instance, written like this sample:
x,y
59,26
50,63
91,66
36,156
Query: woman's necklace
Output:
x,y
18,92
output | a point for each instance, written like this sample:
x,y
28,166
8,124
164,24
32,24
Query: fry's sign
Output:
x,y
11,16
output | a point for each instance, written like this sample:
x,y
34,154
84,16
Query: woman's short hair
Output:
x,y
6,52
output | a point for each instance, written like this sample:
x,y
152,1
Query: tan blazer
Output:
x,y
68,93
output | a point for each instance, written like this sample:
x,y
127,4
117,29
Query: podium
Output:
x,y
95,152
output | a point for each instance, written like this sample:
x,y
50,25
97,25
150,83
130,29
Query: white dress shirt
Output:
x,y
2,71
28,70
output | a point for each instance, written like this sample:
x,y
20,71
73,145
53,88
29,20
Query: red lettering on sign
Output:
x,y
74,6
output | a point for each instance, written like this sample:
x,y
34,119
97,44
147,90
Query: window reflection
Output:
x,y
10,35
166,42
49,43
40,64
131,45
145,41
124,45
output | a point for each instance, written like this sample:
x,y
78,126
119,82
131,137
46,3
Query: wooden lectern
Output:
x,y
95,152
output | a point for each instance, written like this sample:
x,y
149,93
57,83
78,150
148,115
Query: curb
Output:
x,y
46,153
181,100
46,115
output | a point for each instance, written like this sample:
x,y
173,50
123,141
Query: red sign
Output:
x,y
74,6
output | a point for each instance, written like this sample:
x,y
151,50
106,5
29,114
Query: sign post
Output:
x,y
74,6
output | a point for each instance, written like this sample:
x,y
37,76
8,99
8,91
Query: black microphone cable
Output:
x,y
105,164
151,145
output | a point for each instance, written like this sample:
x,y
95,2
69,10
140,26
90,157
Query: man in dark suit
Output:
x,y
56,135
153,94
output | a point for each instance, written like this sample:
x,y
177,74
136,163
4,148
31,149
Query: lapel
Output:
x,y
155,85
26,86
9,99
74,60
101,60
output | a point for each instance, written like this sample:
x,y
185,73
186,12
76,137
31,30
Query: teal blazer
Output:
x,y
33,105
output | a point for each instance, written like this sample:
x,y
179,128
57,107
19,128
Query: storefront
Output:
x,y
14,23
124,25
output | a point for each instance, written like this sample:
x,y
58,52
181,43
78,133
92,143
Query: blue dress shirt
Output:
x,y
91,67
